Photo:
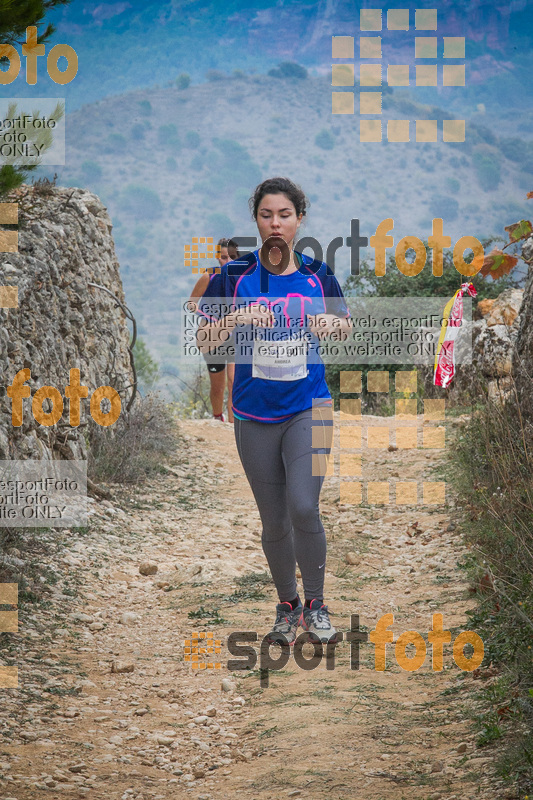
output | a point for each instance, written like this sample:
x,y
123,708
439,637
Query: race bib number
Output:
x,y
280,361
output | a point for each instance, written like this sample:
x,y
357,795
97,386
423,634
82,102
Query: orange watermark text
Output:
x,y
32,50
75,392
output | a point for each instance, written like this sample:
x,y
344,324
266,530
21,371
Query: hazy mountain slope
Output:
x,y
165,161
124,45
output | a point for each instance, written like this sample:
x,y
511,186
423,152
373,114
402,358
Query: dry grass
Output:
x,y
492,469
135,446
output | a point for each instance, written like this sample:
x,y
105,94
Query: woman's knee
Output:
x,y
277,531
305,516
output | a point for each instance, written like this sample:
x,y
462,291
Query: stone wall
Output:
x,y
61,322
493,341
523,353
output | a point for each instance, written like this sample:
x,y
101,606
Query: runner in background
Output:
x,y
217,370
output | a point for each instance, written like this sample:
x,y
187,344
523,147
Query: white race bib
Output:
x,y
280,361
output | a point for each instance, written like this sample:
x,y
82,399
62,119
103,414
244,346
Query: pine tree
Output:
x,y
15,17
16,168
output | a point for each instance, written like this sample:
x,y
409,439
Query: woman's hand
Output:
x,y
323,325
211,335
254,314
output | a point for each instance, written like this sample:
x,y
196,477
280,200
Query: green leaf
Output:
x,y
520,230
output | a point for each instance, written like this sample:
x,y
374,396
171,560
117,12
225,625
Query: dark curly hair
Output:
x,y
229,244
279,186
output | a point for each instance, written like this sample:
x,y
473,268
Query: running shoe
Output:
x,y
315,620
286,624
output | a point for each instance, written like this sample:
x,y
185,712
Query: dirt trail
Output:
x,y
75,728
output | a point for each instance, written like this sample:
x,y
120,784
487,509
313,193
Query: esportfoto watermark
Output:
x,y
52,493
74,391
32,50
380,241
394,330
240,643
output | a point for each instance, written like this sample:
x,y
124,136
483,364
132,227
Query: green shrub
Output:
x,y
197,162
483,134
453,185
146,368
231,165
395,284
425,284
435,112
145,107
140,232
444,207
240,200
407,106
487,169
490,468
192,139
137,132
91,170
514,149
213,75
325,140
115,143
140,200
219,225
10,178
192,399
183,81
167,136
288,69
133,448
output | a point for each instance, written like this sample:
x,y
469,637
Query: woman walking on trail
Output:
x,y
217,369
284,303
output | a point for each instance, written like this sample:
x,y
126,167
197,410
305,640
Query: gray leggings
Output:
x,y
277,460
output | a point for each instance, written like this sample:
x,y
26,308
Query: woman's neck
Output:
x,y
276,269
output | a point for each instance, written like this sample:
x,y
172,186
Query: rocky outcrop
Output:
x,y
505,308
494,337
523,352
61,322
493,341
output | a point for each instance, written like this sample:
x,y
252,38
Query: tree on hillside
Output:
x,y
424,285
147,368
288,69
183,81
15,17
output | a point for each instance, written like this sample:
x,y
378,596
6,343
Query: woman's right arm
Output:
x,y
211,335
